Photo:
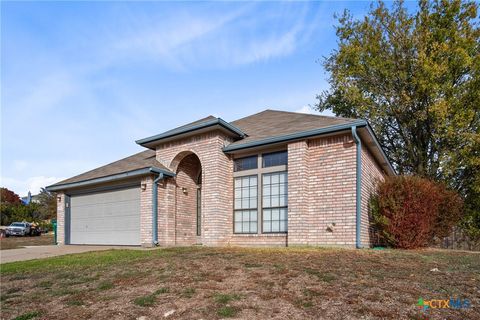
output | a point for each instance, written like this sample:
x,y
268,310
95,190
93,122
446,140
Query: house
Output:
x,y
274,178
29,198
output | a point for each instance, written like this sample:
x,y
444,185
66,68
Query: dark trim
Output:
x,y
374,137
110,178
206,124
67,220
81,192
294,136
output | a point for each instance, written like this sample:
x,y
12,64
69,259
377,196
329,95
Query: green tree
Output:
x,y
416,78
47,204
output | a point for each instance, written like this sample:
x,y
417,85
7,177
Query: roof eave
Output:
x,y
110,178
218,121
294,136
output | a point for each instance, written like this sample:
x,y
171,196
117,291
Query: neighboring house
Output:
x,y
272,178
29,198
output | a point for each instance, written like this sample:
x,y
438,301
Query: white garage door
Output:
x,y
109,217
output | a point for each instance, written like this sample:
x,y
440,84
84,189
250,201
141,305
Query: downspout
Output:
x,y
155,209
358,205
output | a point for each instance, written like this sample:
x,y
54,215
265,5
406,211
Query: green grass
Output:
x,y
79,261
28,316
161,290
106,285
149,299
227,312
223,298
145,301
188,292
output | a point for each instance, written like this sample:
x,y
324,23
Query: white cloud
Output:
x,y
305,109
33,184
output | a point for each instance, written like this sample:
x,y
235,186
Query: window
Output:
x,y
245,214
274,159
274,202
245,163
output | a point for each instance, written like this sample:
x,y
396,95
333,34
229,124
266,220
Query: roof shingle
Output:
x,y
274,123
139,160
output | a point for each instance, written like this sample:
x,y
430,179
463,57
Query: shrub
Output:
x,y
409,211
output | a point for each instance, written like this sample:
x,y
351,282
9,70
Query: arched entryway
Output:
x,y
188,221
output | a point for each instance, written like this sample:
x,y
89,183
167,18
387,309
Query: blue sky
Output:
x,y
81,81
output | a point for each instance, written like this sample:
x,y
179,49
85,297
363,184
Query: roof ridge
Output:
x,y
312,114
297,113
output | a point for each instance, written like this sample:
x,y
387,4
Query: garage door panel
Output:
x,y
109,217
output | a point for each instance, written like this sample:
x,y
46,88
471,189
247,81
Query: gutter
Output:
x,y
295,136
358,204
202,125
114,177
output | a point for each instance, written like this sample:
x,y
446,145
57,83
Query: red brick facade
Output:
x,y
321,194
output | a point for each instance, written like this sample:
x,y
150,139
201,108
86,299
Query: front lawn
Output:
x,y
214,283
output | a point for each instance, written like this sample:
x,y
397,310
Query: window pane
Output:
x,y
238,216
253,191
275,214
275,226
253,227
267,226
266,190
275,178
275,159
267,214
238,227
266,202
245,163
274,202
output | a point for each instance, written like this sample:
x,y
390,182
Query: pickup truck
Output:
x,y
19,229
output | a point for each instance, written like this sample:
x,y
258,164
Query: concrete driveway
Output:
x,y
38,252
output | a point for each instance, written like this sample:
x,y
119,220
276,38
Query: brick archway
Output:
x,y
188,169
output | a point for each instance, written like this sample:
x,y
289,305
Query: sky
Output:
x,y
81,81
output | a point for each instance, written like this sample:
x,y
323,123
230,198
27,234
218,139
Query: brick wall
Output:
x,y
298,172
186,202
323,170
146,212
217,185
61,218
371,175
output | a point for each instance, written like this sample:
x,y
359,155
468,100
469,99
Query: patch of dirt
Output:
x,y
288,283
20,242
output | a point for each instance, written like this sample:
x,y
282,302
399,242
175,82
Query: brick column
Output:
x,y
297,193
61,218
146,212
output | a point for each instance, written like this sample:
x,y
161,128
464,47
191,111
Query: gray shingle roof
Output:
x,y
144,159
262,125
273,123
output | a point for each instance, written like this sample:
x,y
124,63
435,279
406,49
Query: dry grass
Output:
x,y
20,242
214,283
